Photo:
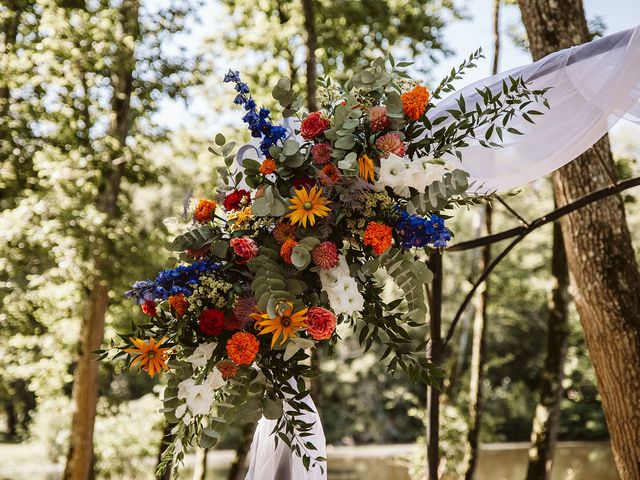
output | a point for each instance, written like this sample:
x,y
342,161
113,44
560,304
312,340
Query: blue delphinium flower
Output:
x,y
171,282
418,231
258,121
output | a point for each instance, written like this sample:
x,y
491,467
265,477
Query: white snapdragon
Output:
x,y
342,289
400,173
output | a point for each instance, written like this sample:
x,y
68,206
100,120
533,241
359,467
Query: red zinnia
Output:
x,y
235,199
211,322
313,125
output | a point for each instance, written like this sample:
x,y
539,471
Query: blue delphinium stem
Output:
x,y
258,121
418,231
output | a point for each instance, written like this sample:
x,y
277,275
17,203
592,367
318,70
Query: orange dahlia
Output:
x,y
179,304
227,368
242,348
414,102
204,210
378,236
268,166
284,231
287,249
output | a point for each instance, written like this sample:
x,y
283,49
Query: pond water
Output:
x,y
505,461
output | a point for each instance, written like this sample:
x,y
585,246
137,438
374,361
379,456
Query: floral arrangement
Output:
x,y
302,239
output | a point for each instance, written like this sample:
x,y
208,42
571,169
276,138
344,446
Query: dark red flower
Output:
x,y
313,125
149,308
211,322
234,200
303,182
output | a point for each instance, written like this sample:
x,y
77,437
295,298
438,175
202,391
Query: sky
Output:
x,y
463,36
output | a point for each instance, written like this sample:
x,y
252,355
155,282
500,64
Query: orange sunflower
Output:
x,y
307,205
152,358
285,324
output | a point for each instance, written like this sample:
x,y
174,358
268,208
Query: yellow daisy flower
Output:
x,y
365,168
152,358
307,205
285,324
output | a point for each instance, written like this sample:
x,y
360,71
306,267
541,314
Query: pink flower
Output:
x,y
391,143
313,125
321,323
321,153
325,255
378,119
244,247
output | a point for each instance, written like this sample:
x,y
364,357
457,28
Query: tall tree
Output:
x,y
546,422
599,252
478,351
85,384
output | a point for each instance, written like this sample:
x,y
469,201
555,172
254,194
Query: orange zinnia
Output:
x,y
287,249
179,304
267,167
242,348
152,358
378,236
414,102
204,210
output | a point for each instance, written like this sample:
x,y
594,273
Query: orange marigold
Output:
x,y
268,166
414,102
242,348
227,368
378,236
284,231
287,249
179,304
204,210
329,175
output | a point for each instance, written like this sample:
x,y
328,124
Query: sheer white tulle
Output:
x,y
268,462
592,87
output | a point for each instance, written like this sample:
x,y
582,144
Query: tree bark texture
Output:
x,y
478,350
242,450
599,253
79,464
312,45
544,433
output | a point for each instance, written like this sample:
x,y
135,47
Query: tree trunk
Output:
x,y
599,252
478,358
312,45
85,384
235,471
167,438
200,472
544,432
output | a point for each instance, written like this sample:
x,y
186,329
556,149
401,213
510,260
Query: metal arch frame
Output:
x,y
437,344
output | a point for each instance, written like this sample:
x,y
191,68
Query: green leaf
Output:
x,y
220,140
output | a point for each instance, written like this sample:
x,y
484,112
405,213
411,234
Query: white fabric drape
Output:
x,y
268,462
592,87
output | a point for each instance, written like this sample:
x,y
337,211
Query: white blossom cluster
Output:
x,y
400,173
198,397
342,289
